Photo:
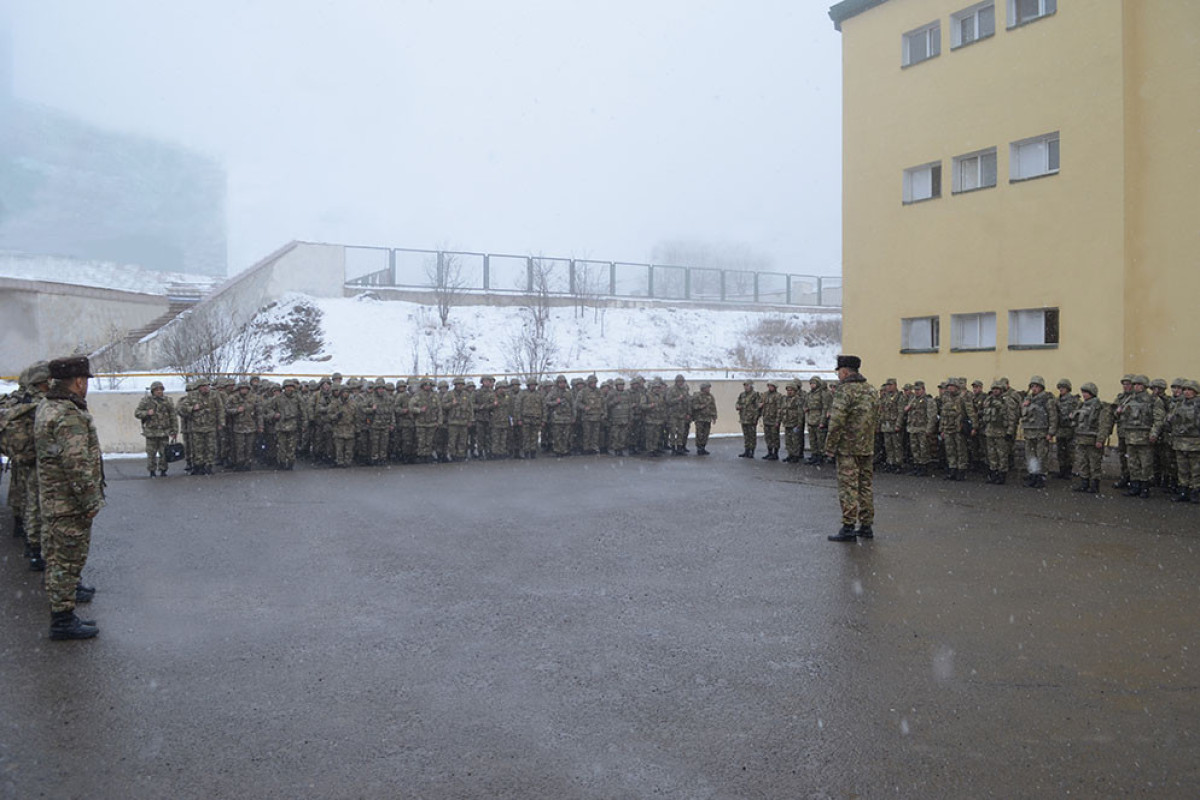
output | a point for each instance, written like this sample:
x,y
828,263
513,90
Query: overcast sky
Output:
x,y
552,126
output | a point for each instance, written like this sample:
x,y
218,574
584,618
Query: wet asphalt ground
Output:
x,y
608,627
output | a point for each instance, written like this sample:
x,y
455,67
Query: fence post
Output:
x,y
819,291
650,281
487,278
722,286
571,276
529,274
612,278
756,287
789,290
391,267
441,268
687,283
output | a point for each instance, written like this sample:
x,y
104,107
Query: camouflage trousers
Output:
x,y
771,437
618,435
1187,465
1141,461
893,446
343,450
591,435
243,448
456,441
1088,457
441,440
1064,452
483,437
156,453
998,452
560,437
404,441
31,516
749,436
918,442
1164,461
377,451
1123,457
1037,452
703,429
656,435
677,432
855,494
957,455
285,447
204,448
65,544
16,488
528,433
497,442
793,440
425,435
816,437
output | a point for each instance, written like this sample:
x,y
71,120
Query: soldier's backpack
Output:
x,y
16,433
174,452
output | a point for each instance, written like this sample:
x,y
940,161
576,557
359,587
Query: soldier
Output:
x,y
791,417
406,426
242,415
290,415
486,404
1039,422
1122,455
955,421
998,418
771,404
975,442
458,408
499,422
1065,440
528,416
704,414
159,424
620,413
1163,452
1091,423
891,427
560,410
339,413
851,443
204,415
637,426
514,433
590,410
379,409
678,416
1143,417
1185,439
921,417
18,443
424,409
749,408
71,492
817,404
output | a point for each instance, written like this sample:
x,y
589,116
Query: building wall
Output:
x,y
1056,241
1162,82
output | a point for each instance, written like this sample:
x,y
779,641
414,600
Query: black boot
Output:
x,y
84,593
866,532
1094,487
1196,495
65,625
700,451
151,472
36,562
1123,483
1001,477
846,534
162,473
1135,489
1084,483
744,454
18,528
1182,497
1145,492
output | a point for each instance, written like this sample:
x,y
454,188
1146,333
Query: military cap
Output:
x,y
908,387
918,384
459,380
999,384
1038,379
1158,383
37,372
706,385
72,367
1090,388
977,382
1142,379
851,362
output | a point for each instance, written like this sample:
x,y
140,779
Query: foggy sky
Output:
x,y
554,126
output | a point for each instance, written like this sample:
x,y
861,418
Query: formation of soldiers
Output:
x,y
343,422
964,428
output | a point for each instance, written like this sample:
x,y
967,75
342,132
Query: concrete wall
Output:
x,y
43,320
121,432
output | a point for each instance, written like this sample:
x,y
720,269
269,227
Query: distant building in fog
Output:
x,y
70,189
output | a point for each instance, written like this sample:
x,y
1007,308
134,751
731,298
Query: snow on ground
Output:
x,y
99,274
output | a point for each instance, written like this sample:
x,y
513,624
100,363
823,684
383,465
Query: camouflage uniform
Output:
x,y
654,417
242,415
499,424
1185,438
1117,403
637,427
620,413
678,415
771,403
486,404
1039,423
289,411
204,414
590,410
921,418
890,425
339,413
1091,423
1143,417
17,438
1067,403
459,409
560,410
999,417
71,490
406,425
1163,451
529,414
955,421
748,407
791,418
159,425
817,404
425,411
704,414
850,437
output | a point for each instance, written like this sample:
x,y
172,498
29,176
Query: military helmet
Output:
x,y
706,385
679,378
560,378
443,385
1037,379
189,385
619,382
459,381
1063,383
531,381
748,382
977,382
37,372
514,382
1180,382
290,382
592,378
1090,388
1191,384
1158,383
487,378
889,380
1128,377
157,385
1142,379
908,387
918,384
426,382
773,383
999,384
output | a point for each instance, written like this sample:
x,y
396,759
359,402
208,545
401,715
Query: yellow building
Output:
x,y
1021,188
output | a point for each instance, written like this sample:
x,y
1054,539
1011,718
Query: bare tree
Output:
x,y
209,344
531,348
444,274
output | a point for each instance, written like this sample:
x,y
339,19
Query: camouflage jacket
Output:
x,y
704,407
458,407
203,413
678,400
1185,424
889,412
1067,403
791,411
377,411
999,417
1143,417
339,413
921,414
1092,418
243,413
957,415
817,404
654,407
425,409
560,405
620,408
16,427
748,407
529,408
162,422
772,403
853,418
70,469
589,405
289,412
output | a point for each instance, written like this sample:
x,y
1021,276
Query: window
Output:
x,y
975,170
923,182
1031,328
921,44
919,335
972,24
973,331
1032,158
1022,12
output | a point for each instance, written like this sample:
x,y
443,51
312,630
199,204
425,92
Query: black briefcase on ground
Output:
x,y
174,452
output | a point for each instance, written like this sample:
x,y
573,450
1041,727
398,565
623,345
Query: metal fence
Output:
x,y
580,277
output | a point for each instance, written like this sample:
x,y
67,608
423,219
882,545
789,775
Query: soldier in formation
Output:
x,y
160,425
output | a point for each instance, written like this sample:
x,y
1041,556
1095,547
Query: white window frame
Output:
x,y
1034,157
972,171
1043,9
928,36
922,183
920,334
977,19
973,331
1027,328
